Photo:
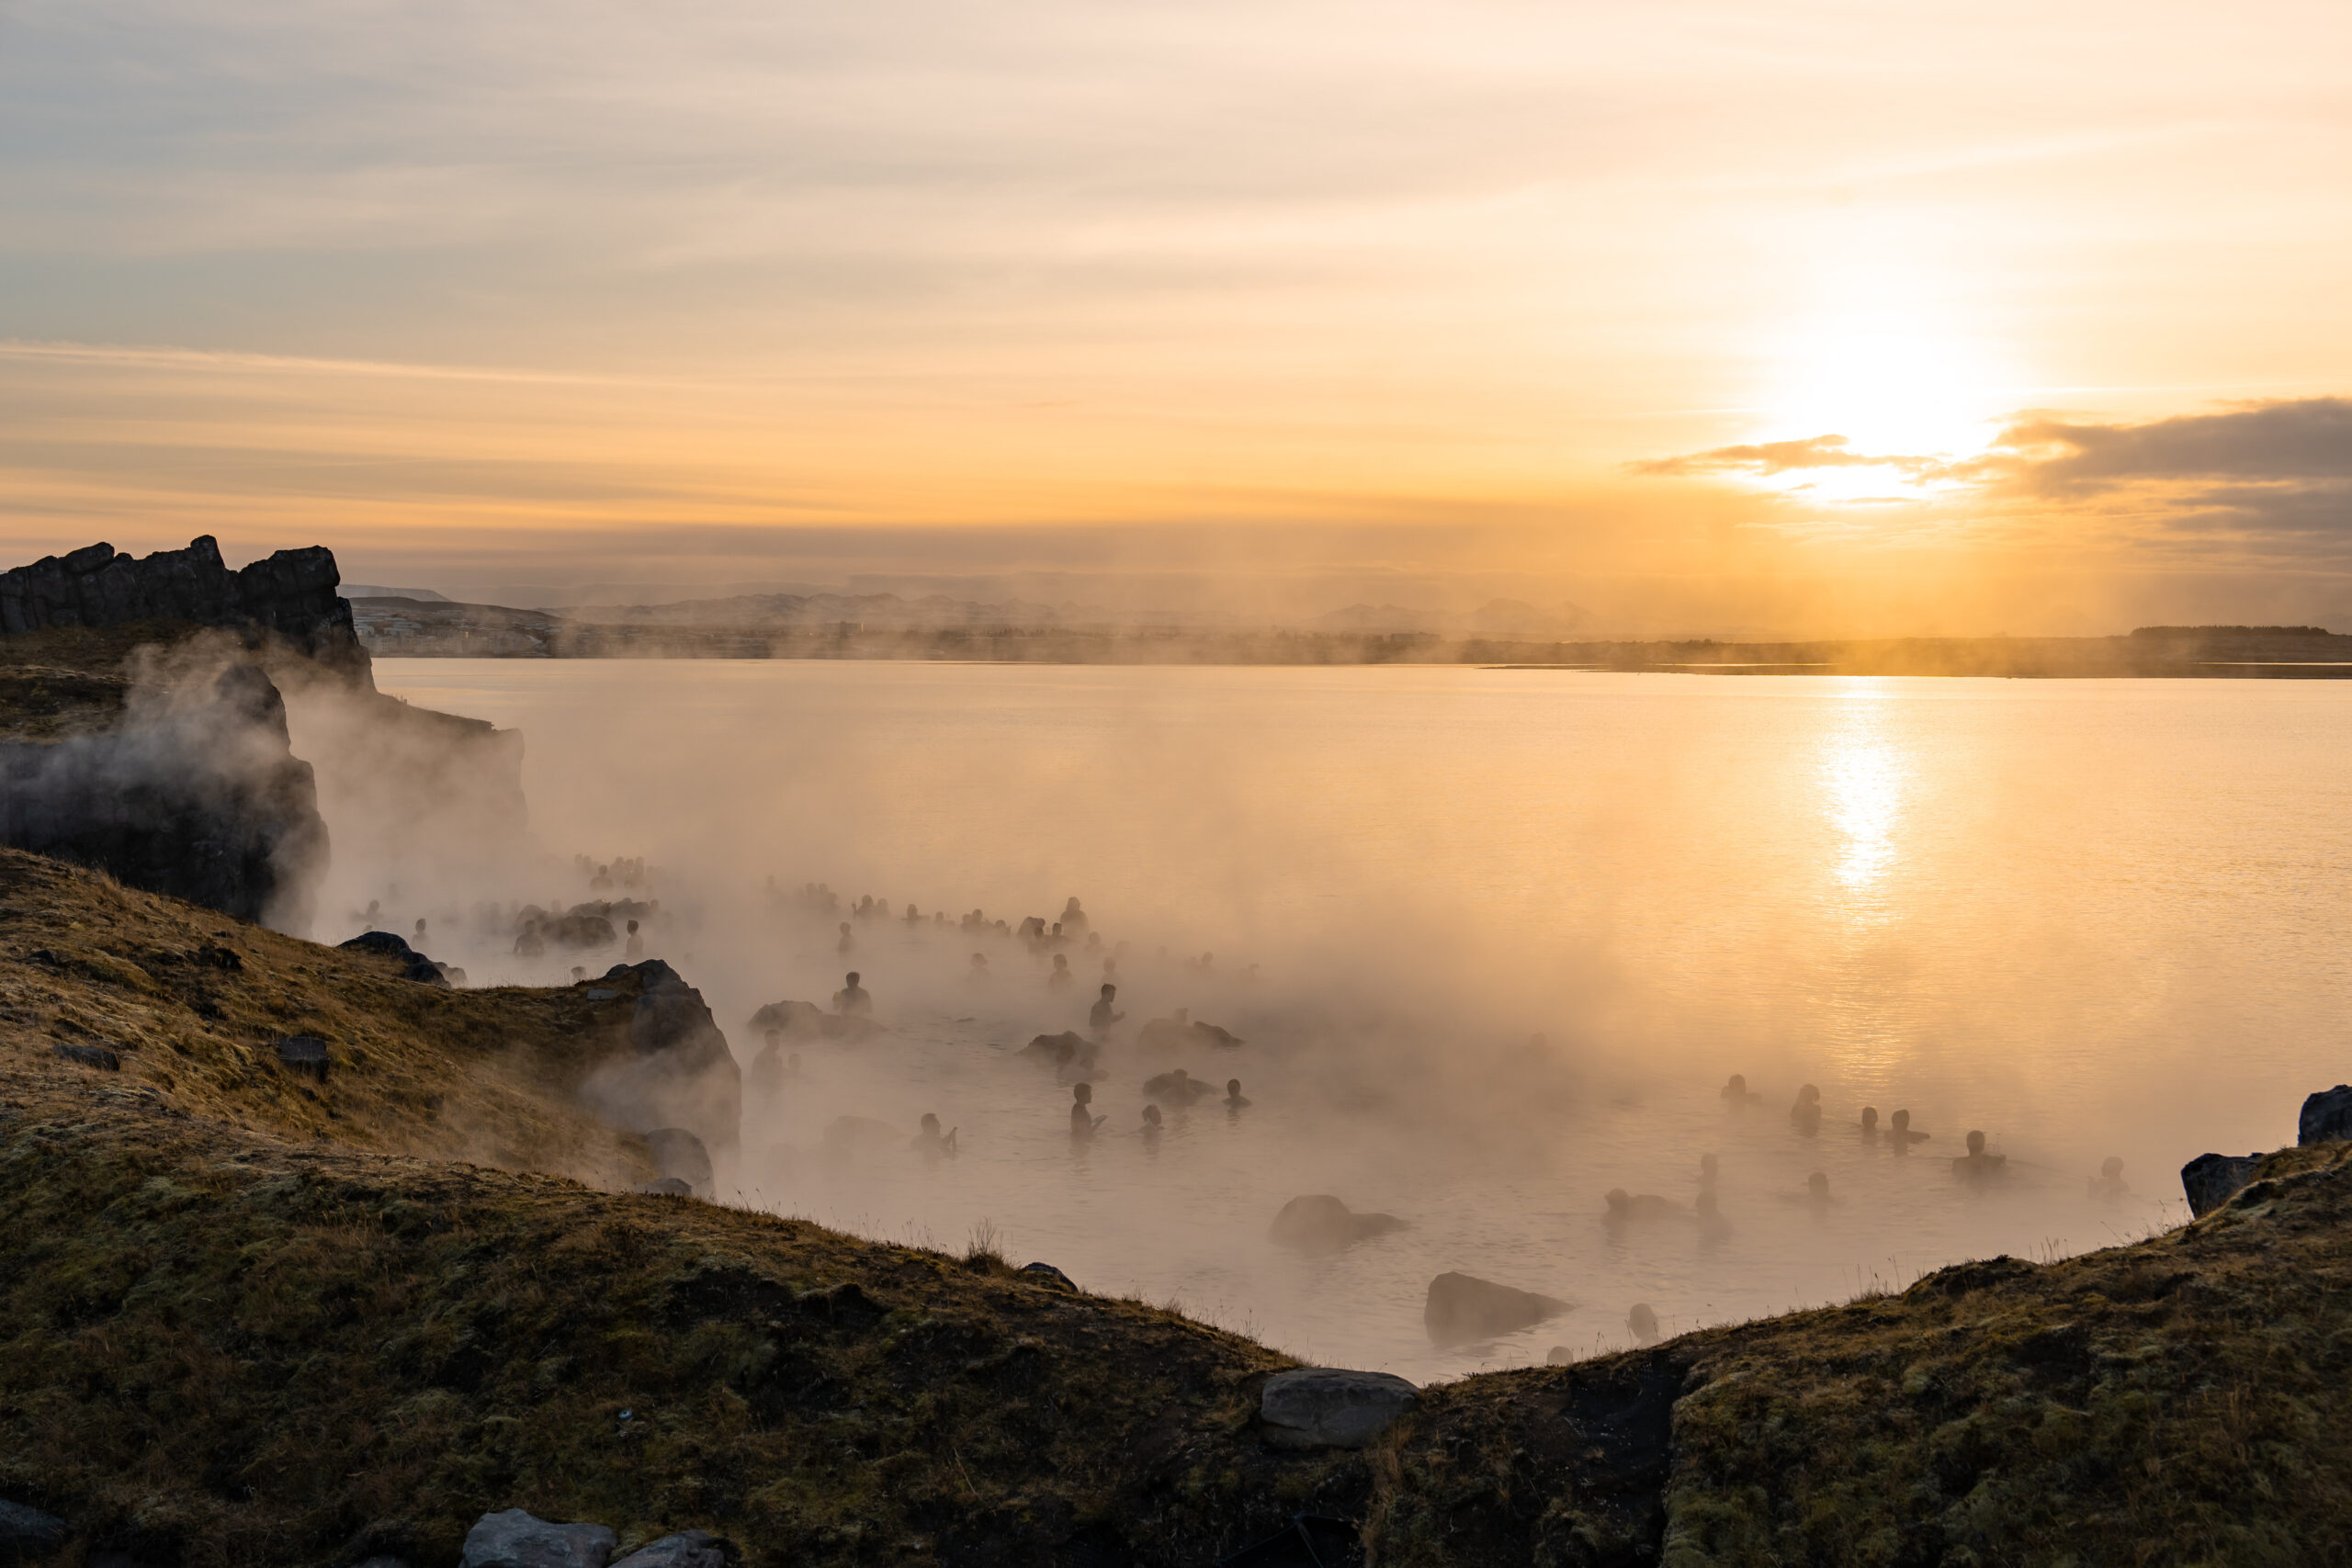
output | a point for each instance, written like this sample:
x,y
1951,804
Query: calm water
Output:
x,y
2090,918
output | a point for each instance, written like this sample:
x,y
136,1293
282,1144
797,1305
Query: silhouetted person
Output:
x,y
1177,1088
1151,1126
1233,1100
1073,919
1816,1192
1805,1115
914,916
848,944
1643,1206
763,1080
1736,1093
636,949
417,941
2107,1185
1710,1172
853,1001
1061,976
577,974
1713,1226
1082,1121
1642,1321
1977,1165
1898,1131
931,1142
979,969
1869,1123
1103,1016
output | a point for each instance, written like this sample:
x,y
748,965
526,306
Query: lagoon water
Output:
x,y
2090,919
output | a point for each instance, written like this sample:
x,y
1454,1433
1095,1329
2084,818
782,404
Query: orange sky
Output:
x,y
1310,303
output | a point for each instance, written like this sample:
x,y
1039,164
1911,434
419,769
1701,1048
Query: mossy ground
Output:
x,y
246,1318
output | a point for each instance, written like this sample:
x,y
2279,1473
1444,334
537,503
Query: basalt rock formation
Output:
x,y
291,594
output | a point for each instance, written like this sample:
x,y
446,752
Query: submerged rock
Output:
x,y
1325,1407
2326,1117
515,1539
1462,1307
1320,1223
2211,1181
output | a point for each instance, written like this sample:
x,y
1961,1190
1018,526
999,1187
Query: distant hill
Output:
x,y
369,591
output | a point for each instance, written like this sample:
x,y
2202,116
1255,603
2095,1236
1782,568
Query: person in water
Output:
x,y
764,1080
1083,1120
636,948
1074,920
1816,1192
1102,1015
1977,1165
978,973
1627,1206
1710,1172
853,1001
1061,976
1869,1123
1805,1115
1899,1133
848,944
1736,1093
1713,1226
931,1140
1152,1125
1176,1087
1642,1321
2107,1185
1233,1100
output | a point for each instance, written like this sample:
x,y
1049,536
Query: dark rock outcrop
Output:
x,y
687,1548
1462,1307
2211,1181
2326,1117
679,1073
28,1535
516,1539
679,1154
1325,1407
197,794
292,594
414,965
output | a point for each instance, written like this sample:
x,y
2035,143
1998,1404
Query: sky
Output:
x,y
1819,318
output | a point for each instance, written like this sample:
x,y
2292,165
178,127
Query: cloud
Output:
x,y
2275,474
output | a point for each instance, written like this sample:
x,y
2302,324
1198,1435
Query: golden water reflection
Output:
x,y
1864,781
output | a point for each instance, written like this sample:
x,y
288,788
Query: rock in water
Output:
x,y
2327,1116
687,1548
1462,1308
679,1154
28,1535
1324,1407
2211,1181
1321,1222
515,1539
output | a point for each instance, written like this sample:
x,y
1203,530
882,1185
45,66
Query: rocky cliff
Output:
x,y
291,594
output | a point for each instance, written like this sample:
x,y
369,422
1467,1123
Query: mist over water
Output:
x,y
2090,919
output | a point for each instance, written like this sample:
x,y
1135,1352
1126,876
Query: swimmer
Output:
x,y
1869,1123
1898,1131
914,916
1642,1321
1233,1100
848,944
1061,976
1082,1120
636,949
764,1080
853,1001
978,973
2107,1185
1816,1192
1178,1088
1737,1094
1074,917
931,1140
1102,1015
1151,1126
1805,1115
1710,1171
1713,1226
1977,1165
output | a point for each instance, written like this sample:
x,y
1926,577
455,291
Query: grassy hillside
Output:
x,y
246,1318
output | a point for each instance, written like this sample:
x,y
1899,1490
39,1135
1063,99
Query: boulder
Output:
x,y
1046,1274
665,1186
687,1548
96,1057
2211,1181
1321,1222
28,1535
2327,1117
679,1154
304,1054
414,965
1462,1308
515,1539
1324,1407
